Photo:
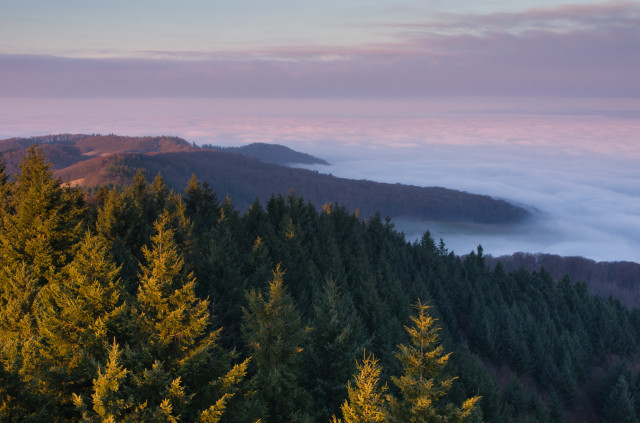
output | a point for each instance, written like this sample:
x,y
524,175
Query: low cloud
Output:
x,y
574,162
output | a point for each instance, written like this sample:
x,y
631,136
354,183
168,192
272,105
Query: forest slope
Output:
x,y
102,160
620,279
145,302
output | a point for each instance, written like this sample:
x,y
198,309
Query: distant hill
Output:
x,y
620,279
271,153
101,160
67,149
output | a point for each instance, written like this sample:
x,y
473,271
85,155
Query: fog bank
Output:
x,y
574,162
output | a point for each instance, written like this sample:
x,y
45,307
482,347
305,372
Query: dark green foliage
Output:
x,y
74,344
124,321
619,407
77,317
41,221
338,335
424,384
275,336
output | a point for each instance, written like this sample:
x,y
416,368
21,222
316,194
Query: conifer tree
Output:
x,y
275,336
202,209
18,289
172,368
365,403
20,399
170,318
202,205
77,316
119,223
424,385
223,267
619,404
5,189
44,221
337,338
160,192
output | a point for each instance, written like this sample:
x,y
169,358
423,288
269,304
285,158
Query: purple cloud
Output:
x,y
586,50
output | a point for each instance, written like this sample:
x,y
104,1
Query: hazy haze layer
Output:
x,y
573,161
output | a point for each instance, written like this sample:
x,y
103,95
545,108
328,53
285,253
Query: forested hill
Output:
x,y
271,153
148,305
620,279
91,161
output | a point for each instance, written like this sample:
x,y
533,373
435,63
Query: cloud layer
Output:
x,y
575,161
588,50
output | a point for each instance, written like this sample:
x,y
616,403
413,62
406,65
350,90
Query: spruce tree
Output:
x,y
172,368
619,406
275,336
119,223
5,189
77,317
424,384
337,338
170,319
44,221
365,401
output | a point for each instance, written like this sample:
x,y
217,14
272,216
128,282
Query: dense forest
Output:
x,y
270,153
137,304
620,279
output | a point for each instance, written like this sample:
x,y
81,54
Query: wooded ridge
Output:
x,y
141,304
95,160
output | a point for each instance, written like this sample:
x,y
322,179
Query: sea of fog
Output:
x,y
573,163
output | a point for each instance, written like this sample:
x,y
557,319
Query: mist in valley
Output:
x,y
572,164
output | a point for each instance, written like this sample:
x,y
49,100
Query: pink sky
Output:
x,y
588,50
567,126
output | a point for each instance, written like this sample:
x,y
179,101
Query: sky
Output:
x,y
533,101
303,49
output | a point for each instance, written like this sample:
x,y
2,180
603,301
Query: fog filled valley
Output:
x,y
572,164
372,211
141,299
142,303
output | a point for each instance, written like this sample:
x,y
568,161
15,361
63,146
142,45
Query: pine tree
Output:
x,y
424,385
275,336
365,403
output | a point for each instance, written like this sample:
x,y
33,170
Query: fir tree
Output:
x,y
619,406
5,189
119,223
44,221
365,403
424,385
77,316
170,319
275,336
337,338
173,368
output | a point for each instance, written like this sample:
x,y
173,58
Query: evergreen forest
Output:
x,y
141,304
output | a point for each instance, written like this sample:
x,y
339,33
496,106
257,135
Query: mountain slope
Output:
x,y
620,279
272,153
98,160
